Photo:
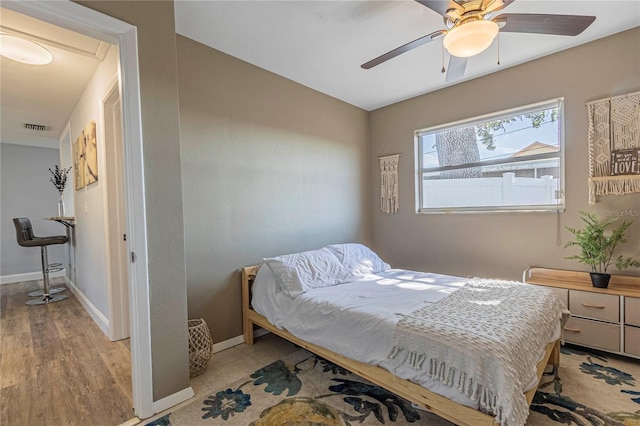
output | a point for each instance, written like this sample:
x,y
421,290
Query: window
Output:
x,y
508,161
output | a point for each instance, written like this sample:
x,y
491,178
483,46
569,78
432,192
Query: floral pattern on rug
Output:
x,y
363,398
612,386
588,389
335,397
226,403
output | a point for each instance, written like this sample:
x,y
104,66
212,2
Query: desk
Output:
x,y
65,220
68,222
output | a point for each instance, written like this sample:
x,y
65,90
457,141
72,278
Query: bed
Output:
x,y
348,294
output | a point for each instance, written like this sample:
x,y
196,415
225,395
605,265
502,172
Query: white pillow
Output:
x,y
300,272
359,259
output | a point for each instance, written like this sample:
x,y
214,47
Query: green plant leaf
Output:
x,y
598,243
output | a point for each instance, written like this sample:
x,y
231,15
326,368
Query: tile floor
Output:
x,y
233,364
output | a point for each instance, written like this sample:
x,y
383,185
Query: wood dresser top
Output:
x,y
622,285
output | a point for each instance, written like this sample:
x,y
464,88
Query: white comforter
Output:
x,y
357,319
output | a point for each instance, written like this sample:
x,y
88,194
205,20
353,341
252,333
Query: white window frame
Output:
x,y
420,169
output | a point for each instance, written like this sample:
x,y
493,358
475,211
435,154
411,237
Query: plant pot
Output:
x,y
600,280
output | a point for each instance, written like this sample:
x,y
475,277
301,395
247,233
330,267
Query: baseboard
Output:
x,y
97,316
172,400
229,343
235,341
29,276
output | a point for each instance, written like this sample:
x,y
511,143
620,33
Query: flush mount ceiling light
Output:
x,y
24,51
470,38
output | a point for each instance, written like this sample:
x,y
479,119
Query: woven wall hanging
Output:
x,y
614,146
389,183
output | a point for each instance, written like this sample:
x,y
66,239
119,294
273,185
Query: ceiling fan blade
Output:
x,y
441,6
402,49
456,69
569,25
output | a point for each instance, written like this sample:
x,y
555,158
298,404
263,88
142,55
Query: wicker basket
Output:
x,y
200,346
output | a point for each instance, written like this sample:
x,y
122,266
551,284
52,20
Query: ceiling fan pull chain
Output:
x,y
498,38
443,68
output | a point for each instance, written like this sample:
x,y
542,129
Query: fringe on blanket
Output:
x,y
613,187
438,370
434,339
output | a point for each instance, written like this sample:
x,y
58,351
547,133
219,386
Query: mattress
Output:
x,y
357,319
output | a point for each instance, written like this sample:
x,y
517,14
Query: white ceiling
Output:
x,y
320,44
46,94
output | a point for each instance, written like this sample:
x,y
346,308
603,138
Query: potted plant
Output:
x,y
597,247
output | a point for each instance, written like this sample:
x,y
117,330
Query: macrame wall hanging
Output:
x,y
389,183
614,146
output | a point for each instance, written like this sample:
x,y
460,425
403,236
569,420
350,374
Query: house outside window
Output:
x,y
507,161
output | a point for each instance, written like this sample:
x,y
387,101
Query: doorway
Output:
x,y
115,223
83,20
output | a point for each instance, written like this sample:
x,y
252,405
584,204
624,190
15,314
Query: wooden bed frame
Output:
x,y
439,405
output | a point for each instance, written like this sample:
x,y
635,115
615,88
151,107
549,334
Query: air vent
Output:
x,y
38,127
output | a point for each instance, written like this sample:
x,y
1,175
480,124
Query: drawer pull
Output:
x,y
588,305
572,330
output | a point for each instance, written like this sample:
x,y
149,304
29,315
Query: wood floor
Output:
x,y
56,366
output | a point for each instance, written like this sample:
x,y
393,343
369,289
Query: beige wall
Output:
x,y
163,186
503,245
269,167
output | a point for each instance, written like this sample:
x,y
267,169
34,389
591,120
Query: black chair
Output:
x,y
24,234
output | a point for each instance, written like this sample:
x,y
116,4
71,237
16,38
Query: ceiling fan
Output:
x,y
472,27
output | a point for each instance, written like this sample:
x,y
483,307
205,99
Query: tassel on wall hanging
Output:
x,y
614,146
389,183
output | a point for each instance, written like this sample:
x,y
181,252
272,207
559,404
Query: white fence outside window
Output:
x,y
507,190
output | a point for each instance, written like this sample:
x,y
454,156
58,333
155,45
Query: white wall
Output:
x,y
89,202
25,191
66,162
68,197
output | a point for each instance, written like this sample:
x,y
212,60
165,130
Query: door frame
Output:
x,y
87,21
115,217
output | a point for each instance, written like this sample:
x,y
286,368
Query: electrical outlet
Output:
x,y
86,207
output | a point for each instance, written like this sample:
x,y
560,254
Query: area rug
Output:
x,y
589,389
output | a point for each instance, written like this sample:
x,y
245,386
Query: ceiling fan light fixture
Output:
x,y
24,51
470,38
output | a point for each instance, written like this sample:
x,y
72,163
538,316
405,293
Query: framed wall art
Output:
x,y
85,157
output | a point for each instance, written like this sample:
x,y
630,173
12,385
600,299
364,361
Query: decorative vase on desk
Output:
x,y
59,180
61,206
600,280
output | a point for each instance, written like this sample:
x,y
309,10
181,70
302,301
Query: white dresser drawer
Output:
x,y
604,307
632,340
593,333
632,311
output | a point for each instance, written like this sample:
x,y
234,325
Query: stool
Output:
x,y
25,237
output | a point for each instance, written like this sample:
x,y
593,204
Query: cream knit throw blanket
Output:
x,y
486,339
